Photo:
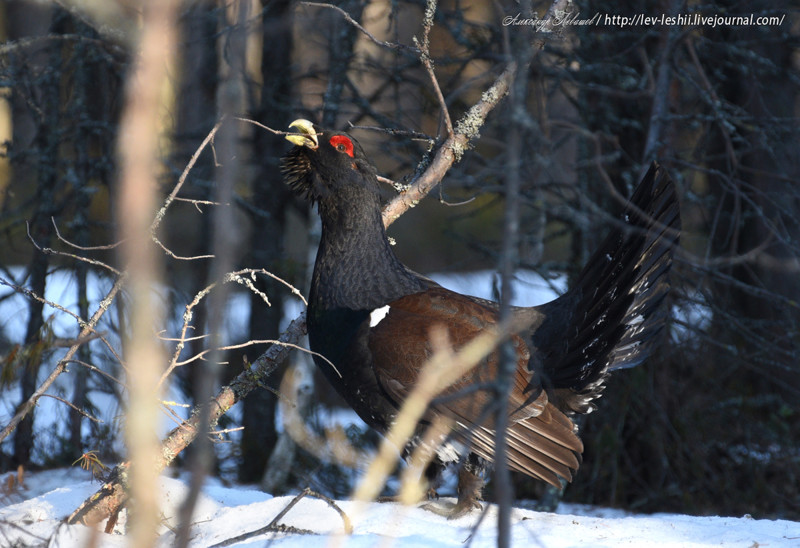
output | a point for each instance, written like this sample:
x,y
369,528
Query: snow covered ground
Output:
x,y
227,512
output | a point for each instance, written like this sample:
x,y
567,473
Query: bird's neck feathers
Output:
x,y
356,267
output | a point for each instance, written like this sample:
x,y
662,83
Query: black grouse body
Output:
x,y
370,318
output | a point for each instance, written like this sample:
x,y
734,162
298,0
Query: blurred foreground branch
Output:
x,y
138,150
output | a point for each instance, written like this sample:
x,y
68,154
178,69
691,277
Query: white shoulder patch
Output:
x,y
377,315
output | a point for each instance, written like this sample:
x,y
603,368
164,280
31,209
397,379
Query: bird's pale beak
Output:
x,y
306,136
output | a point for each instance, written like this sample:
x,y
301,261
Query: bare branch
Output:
x,y
262,126
453,148
443,368
73,406
66,343
296,292
410,133
333,446
273,525
50,251
363,31
196,203
82,248
32,295
427,62
201,355
169,252
182,179
99,371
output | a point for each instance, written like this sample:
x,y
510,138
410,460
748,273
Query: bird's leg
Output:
x,y
433,475
470,484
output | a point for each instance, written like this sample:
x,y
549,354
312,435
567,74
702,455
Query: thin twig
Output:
x,y
457,204
32,295
91,334
332,446
197,203
182,179
169,252
365,32
171,414
443,368
181,339
51,251
262,126
94,369
81,247
76,408
410,133
66,343
296,292
226,431
474,528
201,354
273,525
24,528
411,491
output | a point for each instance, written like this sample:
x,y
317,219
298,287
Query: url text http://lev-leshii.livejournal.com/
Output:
x,y
640,19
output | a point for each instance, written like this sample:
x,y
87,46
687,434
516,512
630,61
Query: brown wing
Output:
x,y
542,441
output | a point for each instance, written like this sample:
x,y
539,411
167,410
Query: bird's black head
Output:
x,y
326,163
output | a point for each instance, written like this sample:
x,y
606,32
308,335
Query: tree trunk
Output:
x,y
48,184
266,249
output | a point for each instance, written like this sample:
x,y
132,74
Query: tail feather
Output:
x,y
607,320
545,446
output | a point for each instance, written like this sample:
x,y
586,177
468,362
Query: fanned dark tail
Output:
x,y
607,320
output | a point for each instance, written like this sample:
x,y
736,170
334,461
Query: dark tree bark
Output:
x,y
89,105
48,186
758,207
268,215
